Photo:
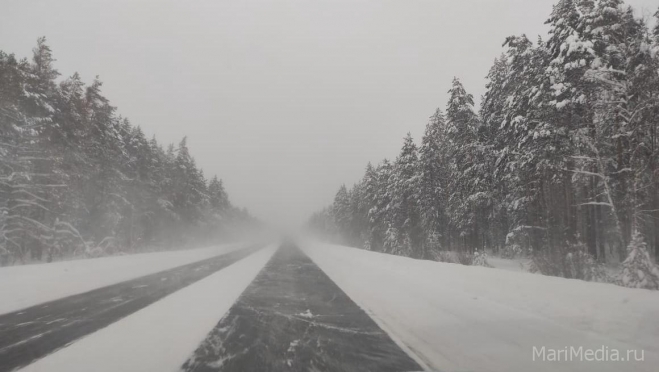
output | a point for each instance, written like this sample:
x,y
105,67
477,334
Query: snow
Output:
x,y
455,317
160,337
306,314
293,345
516,264
35,284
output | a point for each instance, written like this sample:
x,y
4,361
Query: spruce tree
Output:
x,y
433,178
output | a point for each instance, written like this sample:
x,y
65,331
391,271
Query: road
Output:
x,y
292,317
288,309
35,332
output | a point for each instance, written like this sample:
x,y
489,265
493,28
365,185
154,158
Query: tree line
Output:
x,y
77,179
560,161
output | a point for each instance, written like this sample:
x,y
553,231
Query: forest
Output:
x,y
79,180
558,163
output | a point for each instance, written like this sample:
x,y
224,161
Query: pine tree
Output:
x,y
27,183
368,206
341,210
493,114
379,215
189,186
218,198
462,146
77,180
433,177
561,163
406,235
618,104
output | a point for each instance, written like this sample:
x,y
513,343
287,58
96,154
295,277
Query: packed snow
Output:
x,y
457,318
35,284
162,336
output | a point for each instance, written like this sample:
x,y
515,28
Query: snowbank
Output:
x,y
162,336
457,317
515,264
24,286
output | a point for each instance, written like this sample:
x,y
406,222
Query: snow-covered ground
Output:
x,y
515,264
24,286
458,318
162,336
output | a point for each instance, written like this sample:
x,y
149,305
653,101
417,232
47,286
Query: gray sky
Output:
x,y
284,100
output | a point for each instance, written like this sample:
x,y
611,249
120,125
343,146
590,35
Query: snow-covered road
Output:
x,y
294,318
162,336
280,310
31,333
23,286
458,318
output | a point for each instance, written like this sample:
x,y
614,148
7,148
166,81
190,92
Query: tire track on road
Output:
x,y
293,317
32,333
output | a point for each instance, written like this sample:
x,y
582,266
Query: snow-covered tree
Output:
x,y
76,179
560,162
468,166
405,234
433,180
638,270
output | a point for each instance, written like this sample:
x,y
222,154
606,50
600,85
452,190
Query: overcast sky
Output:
x,y
283,100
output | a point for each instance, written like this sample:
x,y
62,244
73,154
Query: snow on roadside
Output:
x,y
29,285
515,264
457,317
162,336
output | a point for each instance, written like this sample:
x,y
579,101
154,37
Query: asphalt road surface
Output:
x,y
35,332
293,317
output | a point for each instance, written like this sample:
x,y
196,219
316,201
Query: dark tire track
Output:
x,y
293,317
32,333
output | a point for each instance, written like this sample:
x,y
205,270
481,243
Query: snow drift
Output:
x,y
456,317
